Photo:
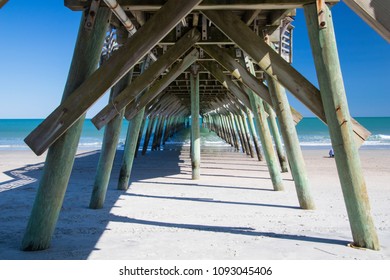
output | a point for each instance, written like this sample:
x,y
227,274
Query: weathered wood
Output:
x,y
195,126
277,140
107,153
146,79
375,13
71,109
275,66
323,44
2,3
291,143
248,147
60,157
141,131
130,150
266,141
226,81
242,74
153,5
151,124
161,84
255,139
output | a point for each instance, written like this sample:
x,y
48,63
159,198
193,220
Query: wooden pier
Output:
x,y
170,63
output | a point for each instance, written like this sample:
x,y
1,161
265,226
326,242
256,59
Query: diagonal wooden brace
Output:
x,y
147,78
276,66
242,74
65,115
161,84
226,81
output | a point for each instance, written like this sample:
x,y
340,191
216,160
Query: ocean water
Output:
x,y
312,133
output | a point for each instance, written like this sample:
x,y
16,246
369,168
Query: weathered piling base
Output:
x,y
60,157
323,44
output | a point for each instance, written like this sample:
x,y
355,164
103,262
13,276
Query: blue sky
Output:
x,y
37,40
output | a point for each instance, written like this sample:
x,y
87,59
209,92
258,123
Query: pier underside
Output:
x,y
224,66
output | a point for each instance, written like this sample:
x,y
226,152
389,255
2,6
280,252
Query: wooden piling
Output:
x,y
323,44
291,142
247,135
109,146
265,137
151,124
195,136
255,139
277,140
60,157
129,150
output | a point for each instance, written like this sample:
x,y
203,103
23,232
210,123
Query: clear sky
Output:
x,y
37,40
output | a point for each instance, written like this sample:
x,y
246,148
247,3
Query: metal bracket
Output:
x,y
92,12
321,13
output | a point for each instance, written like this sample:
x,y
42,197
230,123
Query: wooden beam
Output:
x,y
375,13
275,66
161,84
2,3
60,157
239,72
108,74
153,5
323,44
147,78
226,81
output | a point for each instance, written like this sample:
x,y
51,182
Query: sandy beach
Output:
x,y
230,213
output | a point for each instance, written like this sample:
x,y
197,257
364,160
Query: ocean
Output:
x,y
312,133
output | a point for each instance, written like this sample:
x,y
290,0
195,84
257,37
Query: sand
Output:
x,y
230,213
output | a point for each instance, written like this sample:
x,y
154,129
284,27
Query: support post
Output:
x,y
276,136
130,150
275,65
323,44
254,134
195,136
107,153
291,143
151,124
265,137
60,157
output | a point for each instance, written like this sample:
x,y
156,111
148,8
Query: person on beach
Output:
x,y
331,153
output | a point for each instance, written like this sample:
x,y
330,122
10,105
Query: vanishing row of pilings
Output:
x,y
230,122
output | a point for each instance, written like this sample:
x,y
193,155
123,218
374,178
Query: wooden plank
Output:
x,y
275,66
242,74
226,81
108,74
161,84
375,13
153,5
323,44
147,78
